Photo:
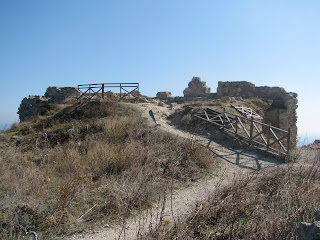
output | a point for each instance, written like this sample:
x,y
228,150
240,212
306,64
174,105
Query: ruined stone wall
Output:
x,y
35,105
164,95
282,112
59,94
31,106
197,88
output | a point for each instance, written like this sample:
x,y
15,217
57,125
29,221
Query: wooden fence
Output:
x,y
250,131
89,91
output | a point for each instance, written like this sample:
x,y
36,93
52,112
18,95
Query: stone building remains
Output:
x,y
281,113
197,88
35,105
164,95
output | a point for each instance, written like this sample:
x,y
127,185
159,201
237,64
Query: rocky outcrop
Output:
x,y
163,95
197,88
282,112
35,105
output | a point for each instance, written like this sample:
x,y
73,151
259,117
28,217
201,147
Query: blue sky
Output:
x,y
161,45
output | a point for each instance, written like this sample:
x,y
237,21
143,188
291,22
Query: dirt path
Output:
x,y
177,205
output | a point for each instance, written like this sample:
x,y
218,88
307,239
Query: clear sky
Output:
x,y
161,45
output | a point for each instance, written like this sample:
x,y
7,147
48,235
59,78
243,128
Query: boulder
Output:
x,y
308,231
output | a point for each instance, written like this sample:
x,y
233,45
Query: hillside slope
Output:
x,y
176,205
86,164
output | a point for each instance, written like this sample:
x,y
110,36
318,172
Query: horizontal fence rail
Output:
x,y
250,131
89,91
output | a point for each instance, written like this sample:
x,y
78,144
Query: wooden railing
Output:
x,y
250,131
89,91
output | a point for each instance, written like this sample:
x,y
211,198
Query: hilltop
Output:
x,y
79,167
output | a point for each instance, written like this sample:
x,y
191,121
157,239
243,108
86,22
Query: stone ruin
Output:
x,y
57,95
281,113
164,95
35,105
197,88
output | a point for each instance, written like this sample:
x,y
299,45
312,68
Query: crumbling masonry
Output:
x,y
35,105
282,112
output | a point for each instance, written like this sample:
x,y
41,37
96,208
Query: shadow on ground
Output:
x,y
241,157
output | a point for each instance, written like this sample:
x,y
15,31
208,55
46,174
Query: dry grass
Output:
x,y
85,165
263,206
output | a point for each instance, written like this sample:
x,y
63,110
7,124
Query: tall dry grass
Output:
x,y
261,206
88,165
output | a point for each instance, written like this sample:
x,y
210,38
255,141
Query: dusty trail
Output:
x,y
177,205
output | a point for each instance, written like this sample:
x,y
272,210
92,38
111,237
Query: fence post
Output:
x,y
223,115
288,140
251,130
120,92
268,140
102,88
237,119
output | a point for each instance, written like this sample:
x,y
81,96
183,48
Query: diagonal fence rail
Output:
x,y
250,131
90,91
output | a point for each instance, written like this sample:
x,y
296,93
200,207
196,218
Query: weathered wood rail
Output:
x,y
89,91
250,131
